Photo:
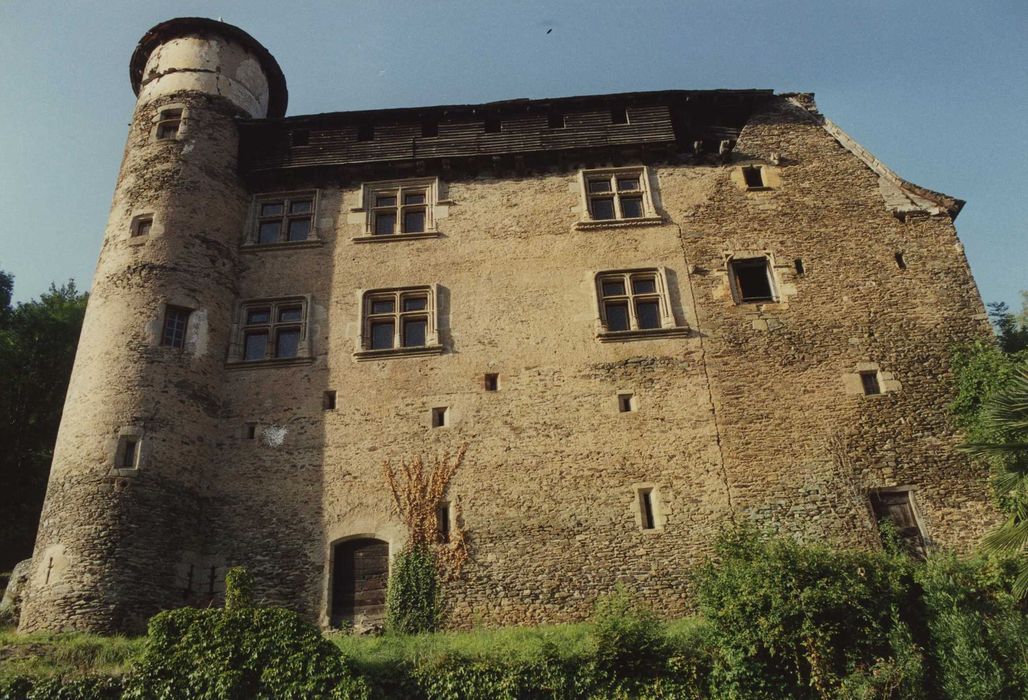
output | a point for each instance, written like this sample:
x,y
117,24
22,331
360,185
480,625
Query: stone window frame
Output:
x,y
769,177
435,208
915,509
251,240
119,445
433,344
656,505
853,382
650,215
160,120
769,266
239,328
668,325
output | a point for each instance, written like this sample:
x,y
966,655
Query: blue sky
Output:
x,y
937,90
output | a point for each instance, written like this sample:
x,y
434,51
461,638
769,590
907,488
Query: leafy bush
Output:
x,y
240,652
412,599
979,631
629,638
792,621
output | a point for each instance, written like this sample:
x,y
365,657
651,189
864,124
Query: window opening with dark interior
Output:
x,y
615,196
442,519
618,114
901,262
272,330
626,403
440,417
646,509
284,219
555,119
753,279
143,225
396,319
630,301
896,508
168,124
429,128
800,269
492,382
366,132
173,334
399,210
492,124
251,431
754,177
299,137
869,381
328,400
129,452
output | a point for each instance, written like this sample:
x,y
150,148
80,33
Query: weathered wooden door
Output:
x,y
895,507
360,572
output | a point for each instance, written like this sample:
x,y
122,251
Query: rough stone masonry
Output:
x,y
647,314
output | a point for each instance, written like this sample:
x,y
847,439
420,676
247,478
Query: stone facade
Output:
x,y
736,409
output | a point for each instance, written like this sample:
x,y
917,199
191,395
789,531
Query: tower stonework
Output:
x,y
645,314
122,529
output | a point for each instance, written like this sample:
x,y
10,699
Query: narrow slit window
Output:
x,y
440,417
754,177
129,453
492,382
328,400
646,509
442,519
869,381
901,261
626,403
800,269
251,431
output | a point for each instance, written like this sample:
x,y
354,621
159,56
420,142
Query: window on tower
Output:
x,y
168,123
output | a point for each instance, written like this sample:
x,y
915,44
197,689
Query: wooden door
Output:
x,y
360,573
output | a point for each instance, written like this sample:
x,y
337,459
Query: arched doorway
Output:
x,y
360,572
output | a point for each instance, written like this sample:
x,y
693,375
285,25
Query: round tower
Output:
x,y
122,533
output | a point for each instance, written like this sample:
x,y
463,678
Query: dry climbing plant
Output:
x,y
418,489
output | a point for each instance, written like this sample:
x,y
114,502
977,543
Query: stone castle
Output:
x,y
646,314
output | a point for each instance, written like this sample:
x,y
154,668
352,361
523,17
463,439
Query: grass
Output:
x,y
74,654
69,654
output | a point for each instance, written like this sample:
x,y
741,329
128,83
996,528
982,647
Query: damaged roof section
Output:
x,y
902,197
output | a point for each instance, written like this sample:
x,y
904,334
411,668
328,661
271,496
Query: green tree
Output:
x,y
1004,424
37,349
1011,329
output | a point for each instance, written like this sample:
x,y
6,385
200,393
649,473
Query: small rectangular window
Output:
x,y
901,262
618,114
800,269
429,128
328,400
626,403
251,431
442,519
646,509
555,119
754,177
173,335
752,279
142,226
440,417
299,137
869,380
168,124
492,124
492,382
366,132
129,453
